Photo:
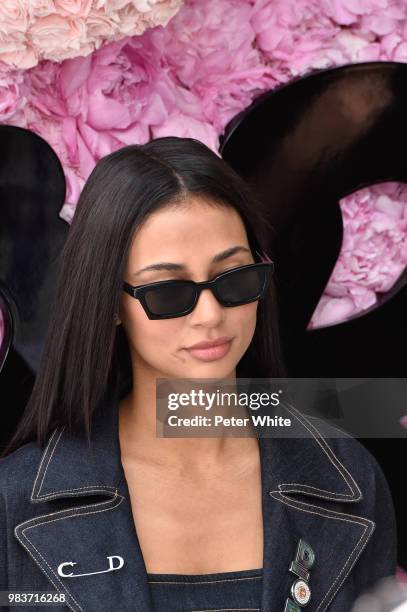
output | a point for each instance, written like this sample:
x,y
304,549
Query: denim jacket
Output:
x,y
66,510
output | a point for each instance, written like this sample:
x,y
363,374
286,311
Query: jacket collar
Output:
x,y
88,533
71,467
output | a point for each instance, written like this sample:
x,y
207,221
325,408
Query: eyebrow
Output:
x,y
164,265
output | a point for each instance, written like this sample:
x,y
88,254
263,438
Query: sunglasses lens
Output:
x,y
171,299
242,286
235,288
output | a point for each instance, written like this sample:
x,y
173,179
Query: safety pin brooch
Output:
x,y
111,567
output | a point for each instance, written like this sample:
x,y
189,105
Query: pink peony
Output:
x,y
40,8
309,34
13,94
33,30
14,15
59,37
73,8
373,253
89,106
102,27
213,54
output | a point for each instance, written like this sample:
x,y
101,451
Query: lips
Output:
x,y
213,352
206,344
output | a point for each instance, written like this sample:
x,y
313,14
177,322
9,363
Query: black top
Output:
x,y
239,590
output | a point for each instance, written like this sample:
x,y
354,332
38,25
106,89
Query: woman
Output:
x,y
97,507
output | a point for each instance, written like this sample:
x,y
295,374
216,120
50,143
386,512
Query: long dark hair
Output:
x,y
85,355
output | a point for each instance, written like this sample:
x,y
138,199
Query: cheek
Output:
x,y
243,323
150,338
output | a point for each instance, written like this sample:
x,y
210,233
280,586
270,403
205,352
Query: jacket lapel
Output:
x,y
95,535
292,473
87,532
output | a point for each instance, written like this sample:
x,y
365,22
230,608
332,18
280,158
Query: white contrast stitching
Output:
x,y
342,431
202,581
76,513
34,523
334,459
339,516
50,457
88,488
42,461
44,570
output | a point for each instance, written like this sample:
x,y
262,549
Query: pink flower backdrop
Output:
x,y
186,71
91,76
33,30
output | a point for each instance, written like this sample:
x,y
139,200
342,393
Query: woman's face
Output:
x,y
191,236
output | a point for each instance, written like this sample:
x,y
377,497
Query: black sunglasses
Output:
x,y
177,298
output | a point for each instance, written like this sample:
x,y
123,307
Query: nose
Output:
x,y
207,309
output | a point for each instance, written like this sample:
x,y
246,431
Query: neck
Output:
x,y
142,440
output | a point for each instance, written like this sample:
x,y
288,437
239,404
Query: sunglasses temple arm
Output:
x,y
263,256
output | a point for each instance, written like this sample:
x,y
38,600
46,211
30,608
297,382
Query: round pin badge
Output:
x,y
301,592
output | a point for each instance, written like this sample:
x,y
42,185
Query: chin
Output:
x,y
212,370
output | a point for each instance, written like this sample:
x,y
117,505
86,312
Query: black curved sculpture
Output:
x,y
32,192
303,147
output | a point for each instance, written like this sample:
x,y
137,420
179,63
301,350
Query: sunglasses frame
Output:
x,y
138,292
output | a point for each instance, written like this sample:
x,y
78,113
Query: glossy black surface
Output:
x,y
303,147
32,192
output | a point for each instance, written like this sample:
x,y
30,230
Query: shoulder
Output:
x,y
356,459
349,449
